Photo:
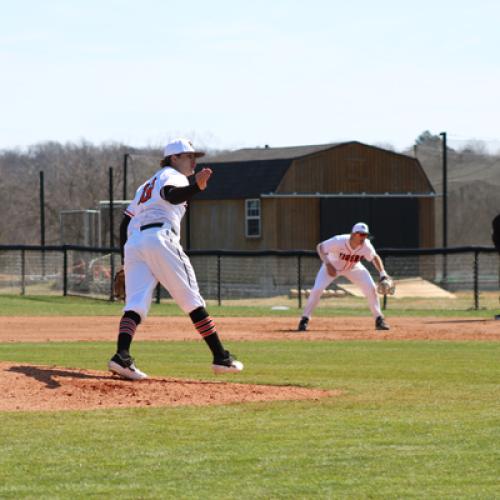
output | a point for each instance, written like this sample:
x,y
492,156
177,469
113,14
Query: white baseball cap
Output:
x,y
360,227
179,146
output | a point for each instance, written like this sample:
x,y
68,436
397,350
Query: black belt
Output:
x,y
155,224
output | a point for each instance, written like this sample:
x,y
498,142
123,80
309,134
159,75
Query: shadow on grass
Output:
x,y
46,375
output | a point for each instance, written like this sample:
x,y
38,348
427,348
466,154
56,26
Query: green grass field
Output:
x,y
416,419
56,305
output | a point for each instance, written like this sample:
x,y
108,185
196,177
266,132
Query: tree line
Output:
x,y
76,177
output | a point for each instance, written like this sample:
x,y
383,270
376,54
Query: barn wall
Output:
x,y
220,225
286,224
298,223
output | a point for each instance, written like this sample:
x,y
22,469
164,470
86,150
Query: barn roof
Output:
x,y
250,172
234,180
267,153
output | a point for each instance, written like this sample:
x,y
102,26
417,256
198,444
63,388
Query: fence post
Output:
x,y
65,271
111,203
112,277
23,272
476,280
299,280
219,302
384,302
42,220
158,293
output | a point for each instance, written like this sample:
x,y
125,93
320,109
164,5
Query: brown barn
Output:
x,y
292,198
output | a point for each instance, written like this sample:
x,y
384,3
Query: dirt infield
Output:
x,y
104,328
29,388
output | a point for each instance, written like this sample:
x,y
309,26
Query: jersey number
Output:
x,y
147,191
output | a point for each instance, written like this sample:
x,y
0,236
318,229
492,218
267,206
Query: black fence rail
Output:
x,y
224,274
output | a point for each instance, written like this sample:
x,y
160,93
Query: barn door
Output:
x,y
393,222
337,215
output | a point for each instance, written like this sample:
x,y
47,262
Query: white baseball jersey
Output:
x,y
343,257
155,254
148,206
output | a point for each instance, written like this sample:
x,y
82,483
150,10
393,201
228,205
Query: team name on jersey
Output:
x,y
350,257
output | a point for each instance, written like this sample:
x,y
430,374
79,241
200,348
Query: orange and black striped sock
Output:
x,y
128,324
206,328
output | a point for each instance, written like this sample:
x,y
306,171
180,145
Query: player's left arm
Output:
x,y
379,266
180,194
372,256
386,284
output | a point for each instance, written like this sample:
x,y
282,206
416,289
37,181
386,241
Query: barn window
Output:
x,y
252,218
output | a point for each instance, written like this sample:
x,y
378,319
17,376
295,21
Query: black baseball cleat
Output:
x,y
380,324
303,324
125,368
227,364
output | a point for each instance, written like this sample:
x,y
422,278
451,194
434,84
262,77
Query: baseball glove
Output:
x,y
119,285
386,286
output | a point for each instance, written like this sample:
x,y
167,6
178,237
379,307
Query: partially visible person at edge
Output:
x,y
152,253
495,237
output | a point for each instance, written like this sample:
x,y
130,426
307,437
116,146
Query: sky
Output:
x,y
231,74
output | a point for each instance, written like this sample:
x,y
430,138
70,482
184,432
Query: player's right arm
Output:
x,y
124,234
128,213
322,251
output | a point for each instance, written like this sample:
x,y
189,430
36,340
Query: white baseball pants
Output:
x,y
358,275
156,255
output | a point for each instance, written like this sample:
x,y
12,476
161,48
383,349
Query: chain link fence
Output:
x,y
228,275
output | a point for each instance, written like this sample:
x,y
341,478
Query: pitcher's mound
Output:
x,y
32,388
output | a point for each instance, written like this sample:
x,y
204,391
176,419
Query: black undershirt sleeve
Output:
x,y
176,195
123,233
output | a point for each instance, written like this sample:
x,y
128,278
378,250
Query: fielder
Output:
x,y
341,256
152,253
